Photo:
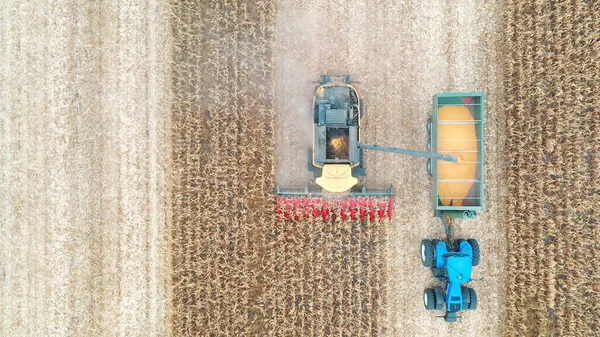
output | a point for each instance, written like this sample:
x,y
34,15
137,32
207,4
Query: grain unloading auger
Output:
x,y
336,160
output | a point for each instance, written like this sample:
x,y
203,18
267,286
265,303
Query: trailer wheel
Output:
x,y
429,122
429,299
476,254
429,168
427,253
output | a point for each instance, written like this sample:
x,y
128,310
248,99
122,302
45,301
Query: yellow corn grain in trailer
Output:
x,y
457,139
456,129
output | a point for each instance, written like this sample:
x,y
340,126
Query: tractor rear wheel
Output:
x,y
472,299
440,298
429,299
427,253
475,246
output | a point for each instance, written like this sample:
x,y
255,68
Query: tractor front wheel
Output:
x,y
475,247
427,253
429,299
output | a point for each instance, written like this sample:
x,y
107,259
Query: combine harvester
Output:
x,y
336,159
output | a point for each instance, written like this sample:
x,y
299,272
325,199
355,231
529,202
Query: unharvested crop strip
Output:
x,y
222,142
552,155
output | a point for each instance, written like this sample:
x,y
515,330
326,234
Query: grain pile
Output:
x,y
552,77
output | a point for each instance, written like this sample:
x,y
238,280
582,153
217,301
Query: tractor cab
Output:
x,y
458,271
458,267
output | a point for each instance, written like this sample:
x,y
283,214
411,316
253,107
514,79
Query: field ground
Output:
x,y
141,142
83,249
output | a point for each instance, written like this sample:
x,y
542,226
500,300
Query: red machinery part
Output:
x,y
297,208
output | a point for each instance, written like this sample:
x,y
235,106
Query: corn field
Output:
x,y
236,270
222,145
142,142
553,125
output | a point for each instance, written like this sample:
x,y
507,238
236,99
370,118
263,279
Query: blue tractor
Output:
x,y
451,262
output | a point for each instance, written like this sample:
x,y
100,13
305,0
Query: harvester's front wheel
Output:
x,y
363,112
476,254
427,253
429,299
309,158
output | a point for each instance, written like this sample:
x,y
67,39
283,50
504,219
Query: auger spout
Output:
x,y
445,157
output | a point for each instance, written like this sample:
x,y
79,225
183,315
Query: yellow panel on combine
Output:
x,y
337,178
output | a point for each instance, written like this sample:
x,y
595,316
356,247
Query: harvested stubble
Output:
x,y
553,76
237,271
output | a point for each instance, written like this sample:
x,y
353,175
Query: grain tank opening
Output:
x,y
338,146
